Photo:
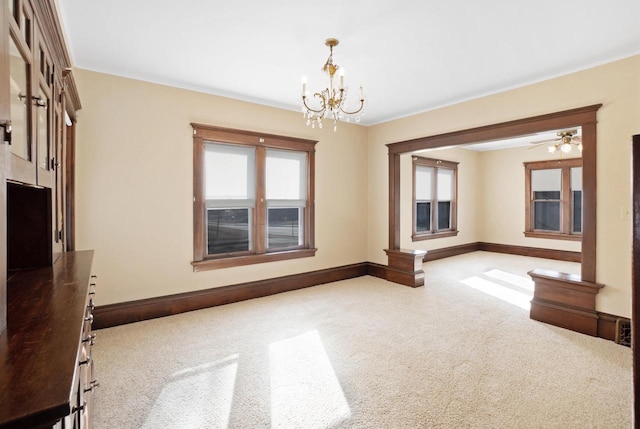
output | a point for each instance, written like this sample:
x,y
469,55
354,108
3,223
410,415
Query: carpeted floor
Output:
x,y
365,353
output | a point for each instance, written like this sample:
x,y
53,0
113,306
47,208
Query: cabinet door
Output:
x,y
21,164
5,112
43,111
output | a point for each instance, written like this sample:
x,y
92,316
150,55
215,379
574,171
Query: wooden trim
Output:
x,y
553,235
394,201
519,127
565,300
237,261
566,210
259,252
134,311
377,270
405,266
434,232
447,252
584,117
434,235
535,252
635,270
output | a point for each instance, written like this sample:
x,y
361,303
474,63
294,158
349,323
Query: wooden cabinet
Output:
x,y
38,104
46,370
46,365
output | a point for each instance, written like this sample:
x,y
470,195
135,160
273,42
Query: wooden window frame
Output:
x,y
436,164
261,142
566,215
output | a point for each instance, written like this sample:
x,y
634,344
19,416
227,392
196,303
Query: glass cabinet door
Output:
x,y
19,96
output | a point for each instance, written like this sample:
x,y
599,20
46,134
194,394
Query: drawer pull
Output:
x,y
91,339
91,306
85,362
80,408
92,385
89,318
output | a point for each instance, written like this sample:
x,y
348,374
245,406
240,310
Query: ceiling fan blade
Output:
x,y
545,141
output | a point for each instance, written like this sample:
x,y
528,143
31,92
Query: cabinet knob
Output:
x,y
89,318
91,339
86,361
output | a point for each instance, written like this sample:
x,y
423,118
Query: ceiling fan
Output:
x,y
565,142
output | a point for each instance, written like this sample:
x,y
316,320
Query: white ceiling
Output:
x,y
410,55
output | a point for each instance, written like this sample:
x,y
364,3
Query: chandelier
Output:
x,y
331,99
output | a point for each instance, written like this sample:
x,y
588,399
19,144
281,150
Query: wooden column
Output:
x,y
405,266
565,300
635,284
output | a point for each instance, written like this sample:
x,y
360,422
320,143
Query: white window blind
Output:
x,y
576,179
229,175
445,184
286,181
424,186
546,180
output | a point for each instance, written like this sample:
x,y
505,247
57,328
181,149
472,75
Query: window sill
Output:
x,y
237,261
553,235
442,234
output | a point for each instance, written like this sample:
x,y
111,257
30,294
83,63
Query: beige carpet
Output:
x,y
365,353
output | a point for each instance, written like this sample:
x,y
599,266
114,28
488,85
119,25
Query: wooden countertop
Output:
x,y
39,348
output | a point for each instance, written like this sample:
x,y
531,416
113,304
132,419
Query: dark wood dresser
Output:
x,y
46,371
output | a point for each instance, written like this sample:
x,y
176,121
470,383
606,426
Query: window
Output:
x,y
434,198
253,198
554,199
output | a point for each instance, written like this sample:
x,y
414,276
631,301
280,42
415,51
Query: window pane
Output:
x,y
229,172
445,184
546,195
286,175
423,185
228,230
577,211
546,215
444,215
19,102
423,216
284,227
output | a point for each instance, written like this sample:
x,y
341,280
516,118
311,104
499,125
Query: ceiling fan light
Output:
x,y
552,149
566,147
580,147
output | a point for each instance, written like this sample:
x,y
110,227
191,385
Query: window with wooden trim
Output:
x,y
253,197
554,199
434,198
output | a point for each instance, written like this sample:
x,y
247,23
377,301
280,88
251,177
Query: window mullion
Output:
x,y
565,204
260,212
434,201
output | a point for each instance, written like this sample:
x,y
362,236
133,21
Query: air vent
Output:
x,y
623,332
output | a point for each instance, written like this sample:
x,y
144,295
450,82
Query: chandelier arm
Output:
x,y
324,106
355,111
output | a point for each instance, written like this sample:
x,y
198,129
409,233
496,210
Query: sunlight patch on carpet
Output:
x,y
496,290
305,391
522,282
196,397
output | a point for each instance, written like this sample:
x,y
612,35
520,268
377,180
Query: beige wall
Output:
x,y
501,186
134,186
134,178
615,85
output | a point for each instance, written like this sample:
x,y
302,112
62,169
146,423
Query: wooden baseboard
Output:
x,y
447,252
560,255
106,316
